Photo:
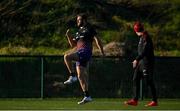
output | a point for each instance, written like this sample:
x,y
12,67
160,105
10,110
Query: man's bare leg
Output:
x,y
83,79
68,59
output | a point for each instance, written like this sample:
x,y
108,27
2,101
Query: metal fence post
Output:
x,y
141,89
42,77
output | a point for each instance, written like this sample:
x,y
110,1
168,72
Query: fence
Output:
x,y
33,76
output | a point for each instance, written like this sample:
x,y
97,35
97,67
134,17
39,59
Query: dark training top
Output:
x,y
145,50
84,37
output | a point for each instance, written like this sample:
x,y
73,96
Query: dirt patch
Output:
x,y
112,49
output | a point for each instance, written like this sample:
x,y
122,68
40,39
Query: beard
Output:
x,y
80,24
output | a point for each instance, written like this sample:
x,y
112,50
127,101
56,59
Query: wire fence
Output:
x,y
34,76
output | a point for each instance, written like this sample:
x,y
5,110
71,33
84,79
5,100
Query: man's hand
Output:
x,y
135,63
103,55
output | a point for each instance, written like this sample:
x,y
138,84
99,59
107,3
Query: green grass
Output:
x,y
71,104
174,53
21,50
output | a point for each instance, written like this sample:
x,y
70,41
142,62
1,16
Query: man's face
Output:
x,y
139,33
79,21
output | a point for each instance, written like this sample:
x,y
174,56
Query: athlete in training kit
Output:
x,y
143,66
83,42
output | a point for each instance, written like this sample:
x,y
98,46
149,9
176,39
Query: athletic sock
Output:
x,y
72,74
86,93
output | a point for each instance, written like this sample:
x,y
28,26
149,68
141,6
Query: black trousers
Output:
x,y
147,74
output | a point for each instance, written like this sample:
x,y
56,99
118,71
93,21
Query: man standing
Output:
x,y
83,42
143,66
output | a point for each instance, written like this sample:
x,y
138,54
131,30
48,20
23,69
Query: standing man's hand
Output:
x,y
135,63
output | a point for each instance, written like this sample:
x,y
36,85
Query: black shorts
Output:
x,y
84,56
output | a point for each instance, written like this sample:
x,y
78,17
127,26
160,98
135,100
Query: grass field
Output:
x,y
71,104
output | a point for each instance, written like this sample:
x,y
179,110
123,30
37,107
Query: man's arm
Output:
x,y
143,53
70,39
99,45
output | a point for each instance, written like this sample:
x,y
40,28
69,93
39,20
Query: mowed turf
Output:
x,y
71,104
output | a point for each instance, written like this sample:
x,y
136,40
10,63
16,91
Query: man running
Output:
x,y
83,42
